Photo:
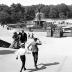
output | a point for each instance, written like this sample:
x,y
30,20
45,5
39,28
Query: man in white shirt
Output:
x,y
34,49
21,52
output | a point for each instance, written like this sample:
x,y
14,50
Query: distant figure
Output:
x,y
21,53
32,35
23,38
34,50
7,28
28,35
61,33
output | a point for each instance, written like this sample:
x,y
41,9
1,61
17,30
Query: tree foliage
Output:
x,y
18,13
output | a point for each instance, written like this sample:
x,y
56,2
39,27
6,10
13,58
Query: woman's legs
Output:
x,y
23,59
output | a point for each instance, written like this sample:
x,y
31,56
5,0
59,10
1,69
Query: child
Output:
x,y
21,52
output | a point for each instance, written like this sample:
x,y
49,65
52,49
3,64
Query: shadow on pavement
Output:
x,y
43,66
4,44
3,52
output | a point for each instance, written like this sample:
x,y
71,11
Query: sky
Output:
x,y
34,2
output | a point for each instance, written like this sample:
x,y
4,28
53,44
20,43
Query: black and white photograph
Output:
x,y
35,35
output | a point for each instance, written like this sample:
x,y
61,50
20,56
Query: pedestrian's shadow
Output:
x,y
43,66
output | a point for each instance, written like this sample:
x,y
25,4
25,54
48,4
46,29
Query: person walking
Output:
x,y
34,50
32,35
15,42
23,37
21,53
19,37
28,35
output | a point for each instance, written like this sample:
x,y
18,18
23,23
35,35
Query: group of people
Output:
x,y
19,38
22,51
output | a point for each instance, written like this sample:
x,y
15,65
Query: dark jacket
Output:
x,y
23,37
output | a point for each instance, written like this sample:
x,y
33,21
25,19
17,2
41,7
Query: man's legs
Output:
x,y
35,56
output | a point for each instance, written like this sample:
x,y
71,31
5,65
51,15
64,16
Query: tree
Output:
x,y
62,9
30,13
69,13
17,12
53,13
62,15
46,10
39,7
4,17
